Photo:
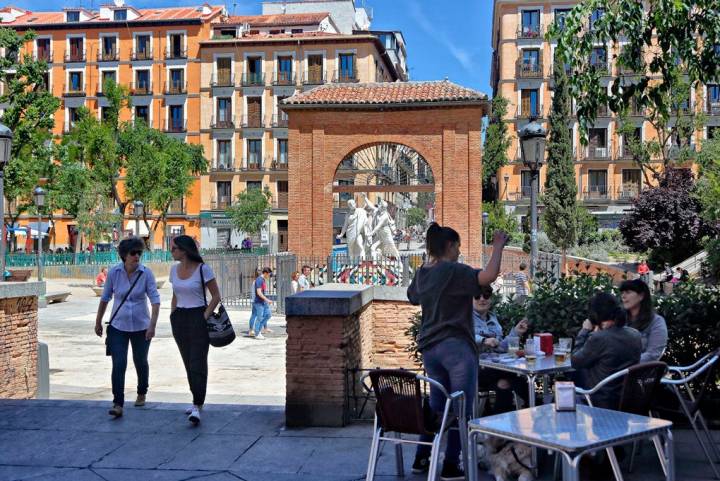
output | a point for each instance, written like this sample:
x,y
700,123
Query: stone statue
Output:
x,y
354,229
383,227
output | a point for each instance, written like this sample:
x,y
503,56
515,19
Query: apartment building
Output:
x,y
522,69
248,66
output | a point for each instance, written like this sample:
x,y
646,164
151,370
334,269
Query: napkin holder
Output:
x,y
564,396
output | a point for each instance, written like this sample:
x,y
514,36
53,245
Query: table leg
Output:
x,y
531,403
546,389
670,456
570,467
472,456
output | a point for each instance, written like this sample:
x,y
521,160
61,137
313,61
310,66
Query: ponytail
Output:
x,y
434,240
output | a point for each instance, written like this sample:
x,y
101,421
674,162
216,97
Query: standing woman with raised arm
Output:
x,y
445,289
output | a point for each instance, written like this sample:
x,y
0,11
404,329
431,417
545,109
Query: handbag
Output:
x,y
107,332
220,329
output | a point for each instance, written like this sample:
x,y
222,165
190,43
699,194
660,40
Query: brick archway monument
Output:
x,y
441,121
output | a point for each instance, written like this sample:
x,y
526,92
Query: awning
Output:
x,y
130,226
22,229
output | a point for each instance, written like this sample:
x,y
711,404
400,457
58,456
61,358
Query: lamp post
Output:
x,y
139,206
6,137
485,216
532,147
39,198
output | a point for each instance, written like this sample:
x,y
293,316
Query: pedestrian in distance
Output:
x,y
129,284
261,312
304,279
101,277
294,285
189,313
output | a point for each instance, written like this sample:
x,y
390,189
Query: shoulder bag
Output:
x,y
220,329
107,332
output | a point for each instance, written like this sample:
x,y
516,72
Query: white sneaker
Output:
x,y
194,416
189,410
259,336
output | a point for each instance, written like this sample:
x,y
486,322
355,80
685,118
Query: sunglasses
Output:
x,y
485,295
136,253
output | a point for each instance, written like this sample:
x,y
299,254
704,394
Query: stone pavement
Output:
x,y
55,440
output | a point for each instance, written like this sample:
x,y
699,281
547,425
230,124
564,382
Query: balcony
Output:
x,y
623,153
530,31
528,69
222,79
222,122
628,192
253,79
284,78
597,153
75,57
596,193
252,164
74,91
314,78
600,66
223,165
111,56
636,110
172,126
44,56
529,113
523,194
346,76
141,55
252,122
713,107
676,151
175,88
221,203
280,200
176,54
280,121
143,88
279,164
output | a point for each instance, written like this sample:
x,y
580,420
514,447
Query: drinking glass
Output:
x,y
530,354
565,343
513,344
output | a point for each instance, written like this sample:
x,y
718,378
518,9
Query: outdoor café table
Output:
x,y
571,433
543,366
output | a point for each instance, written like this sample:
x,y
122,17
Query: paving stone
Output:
x,y
69,475
17,473
148,474
134,420
276,455
255,423
211,451
147,451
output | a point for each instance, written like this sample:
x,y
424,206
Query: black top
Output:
x,y
445,291
603,353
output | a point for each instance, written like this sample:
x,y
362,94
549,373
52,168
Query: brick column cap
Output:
x,y
329,300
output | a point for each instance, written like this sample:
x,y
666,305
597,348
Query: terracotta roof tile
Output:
x,y
386,93
146,15
278,20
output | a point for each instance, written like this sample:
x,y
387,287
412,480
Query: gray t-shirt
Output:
x,y
445,291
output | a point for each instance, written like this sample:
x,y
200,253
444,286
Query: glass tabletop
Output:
x,y
542,365
585,429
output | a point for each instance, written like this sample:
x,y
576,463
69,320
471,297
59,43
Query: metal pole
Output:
x,y
137,226
482,247
2,229
533,222
39,248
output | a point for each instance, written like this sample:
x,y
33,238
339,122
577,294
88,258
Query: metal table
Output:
x,y
572,433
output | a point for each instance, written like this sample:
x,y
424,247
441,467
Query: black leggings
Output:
x,y
190,332
504,402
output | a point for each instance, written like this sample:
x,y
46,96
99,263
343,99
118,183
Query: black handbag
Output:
x,y
107,332
220,329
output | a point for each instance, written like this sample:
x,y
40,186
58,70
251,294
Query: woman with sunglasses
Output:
x,y
129,284
189,313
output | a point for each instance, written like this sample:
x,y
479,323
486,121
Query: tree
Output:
x,y
560,218
497,140
250,211
498,219
666,219
416,217
708,193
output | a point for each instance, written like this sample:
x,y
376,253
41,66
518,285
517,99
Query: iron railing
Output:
x,y
175,53
175,87
111,56
142,88
280,120
250,79
528,69
142,55
222,79
284,78
314,77
75,56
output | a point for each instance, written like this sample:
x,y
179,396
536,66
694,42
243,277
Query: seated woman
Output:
x,y
489,337
605,346
637,302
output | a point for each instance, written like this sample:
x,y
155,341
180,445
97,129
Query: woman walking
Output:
x,y
129,284
189,313
445,289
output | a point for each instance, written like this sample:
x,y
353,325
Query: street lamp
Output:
x,y
6,137
139,206
39,198
485,216
532,147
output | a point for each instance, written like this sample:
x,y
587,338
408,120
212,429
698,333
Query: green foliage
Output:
x,y
587,225
708,185
560,217
497,140
412,332
498,219
416,217
250,211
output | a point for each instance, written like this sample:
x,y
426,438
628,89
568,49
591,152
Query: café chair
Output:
x,y
402,409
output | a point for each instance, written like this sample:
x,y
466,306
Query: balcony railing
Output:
x,y
111,56
280,200
222,79
530,31
674,151
175,88
597,153
280,120
175,53
522,194
142,55
314,78
44,56
284,78
346,76
529,69
71,91
601,66
596,193
279,164
221,203
222,122
602,111
252,121
623,153
250,79
636,110
74,57
144,88
627,193
223,165
175,126
252,164
521,113
713,107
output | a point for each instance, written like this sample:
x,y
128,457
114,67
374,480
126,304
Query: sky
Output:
x,y
445,38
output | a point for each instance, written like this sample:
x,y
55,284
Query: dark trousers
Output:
x,y
119,341
452,363
504,402
190,332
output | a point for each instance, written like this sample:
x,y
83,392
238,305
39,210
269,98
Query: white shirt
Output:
x,y
303,282
189,292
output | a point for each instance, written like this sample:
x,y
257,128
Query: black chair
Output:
x,y
401,409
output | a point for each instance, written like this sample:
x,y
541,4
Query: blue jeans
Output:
x,y
453,363
119,341
260,316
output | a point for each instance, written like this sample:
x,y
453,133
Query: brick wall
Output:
x,y
390,321
18,347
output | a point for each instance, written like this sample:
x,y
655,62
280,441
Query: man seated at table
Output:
x,y
604,346
489,337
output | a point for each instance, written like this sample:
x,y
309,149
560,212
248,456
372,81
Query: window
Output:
x,y
314,75
120,15
224,112
597,182
72,16
224,194
281,118
224,33
713,132
296,30
254,112
597,144
282,194
254,150
713,99
525,183
560,15
104,113
223,66
285,70
282,151
254,71
530,63
530,103
106,76
142,81
73,117
109,48
176,45
598,58
76,82
45,82
224,154
347,67
253,185
142,47
530,24
177,80
77,50
631,183
177,118
275,32
142,112
43,49
636,135
595,17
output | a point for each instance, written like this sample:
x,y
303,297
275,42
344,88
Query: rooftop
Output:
x,y
387,93
280,20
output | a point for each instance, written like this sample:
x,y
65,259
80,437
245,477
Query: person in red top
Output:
x,y
643,268
102,277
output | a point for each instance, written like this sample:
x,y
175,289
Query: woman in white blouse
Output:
x,y
189,313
